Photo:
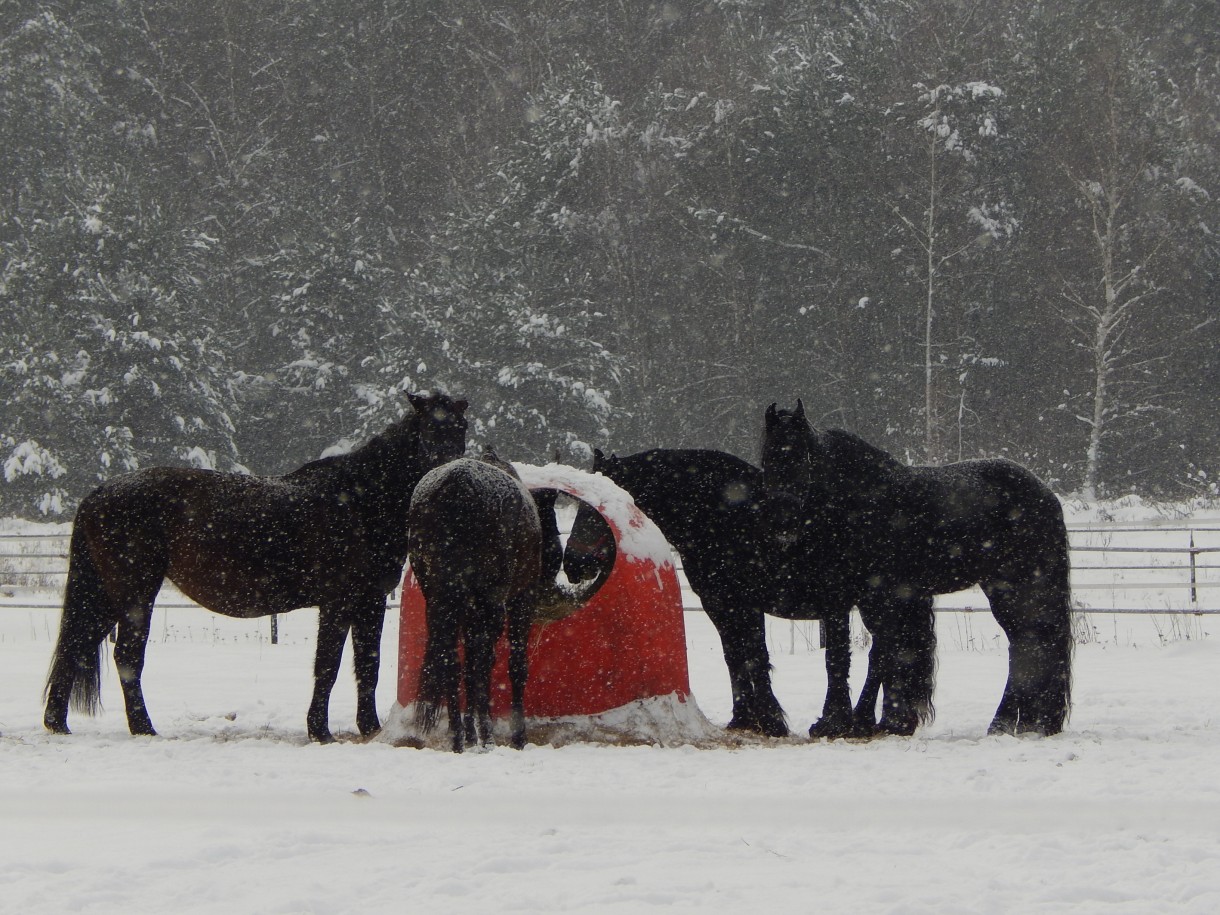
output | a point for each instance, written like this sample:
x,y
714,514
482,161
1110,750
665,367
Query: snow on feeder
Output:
x,y
613,670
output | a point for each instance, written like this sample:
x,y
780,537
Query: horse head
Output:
x,y
590,550
440,424
788,447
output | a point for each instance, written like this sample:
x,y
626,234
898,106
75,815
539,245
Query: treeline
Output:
x,y
233,234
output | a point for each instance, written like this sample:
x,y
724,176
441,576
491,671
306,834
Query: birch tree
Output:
x,y
1132,201
948,211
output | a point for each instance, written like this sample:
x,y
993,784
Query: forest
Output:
x,y
234,235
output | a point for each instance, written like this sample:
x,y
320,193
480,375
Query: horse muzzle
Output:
x,y
783,518
583,562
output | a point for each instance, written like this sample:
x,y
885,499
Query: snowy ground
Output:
x,y
231,810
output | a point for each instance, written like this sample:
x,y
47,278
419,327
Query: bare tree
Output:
x,y
943,210
1130,195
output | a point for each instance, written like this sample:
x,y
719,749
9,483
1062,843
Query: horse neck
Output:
x,y
682,521
855,460
387,469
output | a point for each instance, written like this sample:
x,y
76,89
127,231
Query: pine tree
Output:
x,y
105,365
504,311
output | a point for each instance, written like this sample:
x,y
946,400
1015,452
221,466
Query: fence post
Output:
x,y
1194,590
275,629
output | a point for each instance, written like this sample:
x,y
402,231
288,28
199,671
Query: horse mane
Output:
x,y
389,439
337,469
850,452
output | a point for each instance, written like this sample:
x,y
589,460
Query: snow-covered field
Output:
x,y
231,810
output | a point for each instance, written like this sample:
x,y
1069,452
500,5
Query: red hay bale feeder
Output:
x,y
626,644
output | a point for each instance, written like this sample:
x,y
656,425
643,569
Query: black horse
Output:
x,y
476,548
331,534
865,530
708,506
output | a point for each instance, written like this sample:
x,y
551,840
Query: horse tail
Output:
x,y
87,615
1061,642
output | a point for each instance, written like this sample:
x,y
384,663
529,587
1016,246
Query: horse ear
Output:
x,y
459,406
800,409
598,457
770,414
417,401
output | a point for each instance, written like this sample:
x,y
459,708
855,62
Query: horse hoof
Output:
x,y
892,728
999,728
886,731
829,729
322,737
759,726
56,727
1037,729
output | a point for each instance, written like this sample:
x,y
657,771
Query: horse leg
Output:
x,y
440,672
129,648
908,637
1037,695
482,630
864,715
836,720
520,618
451,675
743,638
332,633
875,615
366,655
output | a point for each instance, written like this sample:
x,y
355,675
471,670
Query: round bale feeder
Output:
x,y
625,649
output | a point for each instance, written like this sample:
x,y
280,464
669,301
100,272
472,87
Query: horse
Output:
x,y
708,505
864,529
331,534
476,548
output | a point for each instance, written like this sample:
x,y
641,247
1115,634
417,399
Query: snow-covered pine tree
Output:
x,y
107,360
506,310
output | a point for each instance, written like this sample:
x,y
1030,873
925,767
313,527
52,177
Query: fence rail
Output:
x,y
1171,567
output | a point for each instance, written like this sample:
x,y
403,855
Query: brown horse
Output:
x,y
477,552
331,534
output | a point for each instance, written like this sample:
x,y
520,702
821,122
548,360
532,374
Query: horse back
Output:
x,y
239,545
973,519
935,528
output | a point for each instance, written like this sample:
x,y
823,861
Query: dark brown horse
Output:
x,y
331,534
477,552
